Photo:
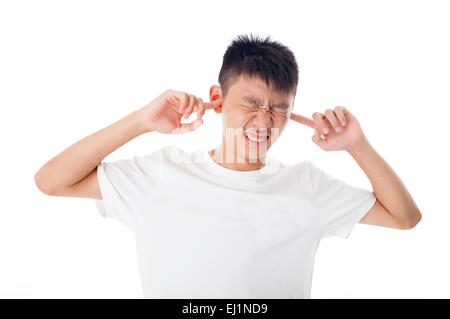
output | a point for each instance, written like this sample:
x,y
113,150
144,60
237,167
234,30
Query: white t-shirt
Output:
x,y
206,231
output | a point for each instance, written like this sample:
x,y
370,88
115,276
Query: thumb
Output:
x,y
188,127
317,139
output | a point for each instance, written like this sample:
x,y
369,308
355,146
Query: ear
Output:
x,y
215,94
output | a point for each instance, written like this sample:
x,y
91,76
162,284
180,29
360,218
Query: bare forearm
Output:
x,y
78,160
387,186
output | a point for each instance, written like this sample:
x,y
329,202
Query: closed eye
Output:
x,y
255,102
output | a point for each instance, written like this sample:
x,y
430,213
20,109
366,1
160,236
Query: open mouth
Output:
x,y
256,139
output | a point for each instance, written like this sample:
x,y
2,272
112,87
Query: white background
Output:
x,y
68,69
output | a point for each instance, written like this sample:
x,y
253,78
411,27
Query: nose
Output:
x,y
261,118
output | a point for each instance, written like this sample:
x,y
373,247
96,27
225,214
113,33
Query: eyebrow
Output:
x,y
252,100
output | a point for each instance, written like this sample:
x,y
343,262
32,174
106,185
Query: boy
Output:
x,y
232,222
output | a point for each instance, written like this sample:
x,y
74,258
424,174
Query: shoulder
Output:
x,y
175,155
165,152
299,173
311,177
313,170
304,173
302,169
154,159
304,166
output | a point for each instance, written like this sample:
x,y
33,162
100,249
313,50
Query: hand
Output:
x,y
349,135
164,113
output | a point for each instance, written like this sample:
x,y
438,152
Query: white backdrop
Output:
x,y
68,69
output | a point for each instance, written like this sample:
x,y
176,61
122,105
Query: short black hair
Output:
x,y
250,55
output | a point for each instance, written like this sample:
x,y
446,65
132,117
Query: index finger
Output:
x,y
302,120
211,105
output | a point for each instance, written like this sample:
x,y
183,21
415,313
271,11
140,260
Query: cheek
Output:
x,y
233,120
278,122
277,129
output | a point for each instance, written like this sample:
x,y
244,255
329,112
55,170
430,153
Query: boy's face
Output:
x,y
253,117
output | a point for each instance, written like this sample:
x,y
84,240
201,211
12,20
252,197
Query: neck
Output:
x,y
236,162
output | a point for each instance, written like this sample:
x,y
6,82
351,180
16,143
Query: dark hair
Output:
x,y
270,60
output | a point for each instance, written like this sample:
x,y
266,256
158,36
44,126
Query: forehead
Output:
x,y
255,87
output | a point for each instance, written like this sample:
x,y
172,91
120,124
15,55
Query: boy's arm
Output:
x,y
73,172
394,206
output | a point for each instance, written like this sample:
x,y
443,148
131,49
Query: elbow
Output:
x,y
411,223
44,188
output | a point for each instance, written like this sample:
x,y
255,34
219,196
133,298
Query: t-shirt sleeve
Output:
x,y
339,206
125,186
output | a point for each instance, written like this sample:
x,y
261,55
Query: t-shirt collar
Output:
x,y
219,169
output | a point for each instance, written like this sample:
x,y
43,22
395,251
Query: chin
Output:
x,y
253,155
